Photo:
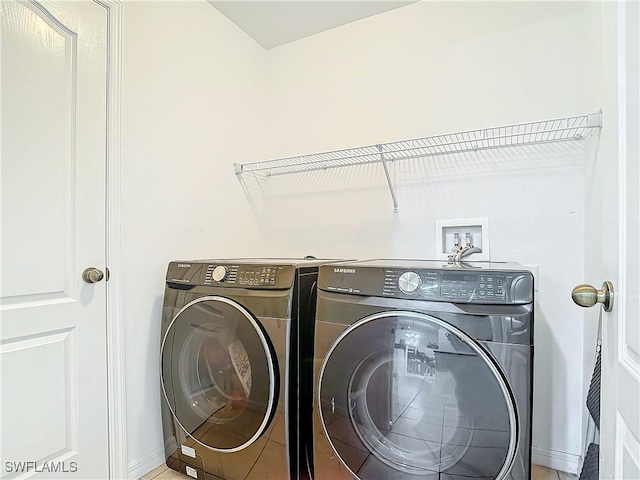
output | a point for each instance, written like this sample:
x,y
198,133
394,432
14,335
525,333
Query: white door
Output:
x,y
613,216
53,331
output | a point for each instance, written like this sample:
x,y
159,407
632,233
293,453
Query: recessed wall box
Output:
x,y
463,231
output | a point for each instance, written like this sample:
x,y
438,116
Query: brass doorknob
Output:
x,y
587,295
92,275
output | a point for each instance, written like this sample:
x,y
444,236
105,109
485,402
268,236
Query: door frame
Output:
x,y
116,391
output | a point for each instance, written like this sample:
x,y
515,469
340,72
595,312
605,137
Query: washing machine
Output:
x,y
423,371
230,366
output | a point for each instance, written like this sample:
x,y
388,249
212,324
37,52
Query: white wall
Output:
x,y
200,95
191,107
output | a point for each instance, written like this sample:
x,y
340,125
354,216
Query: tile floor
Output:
x,y
539,473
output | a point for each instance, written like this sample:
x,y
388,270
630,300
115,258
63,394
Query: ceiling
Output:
x,y
274,23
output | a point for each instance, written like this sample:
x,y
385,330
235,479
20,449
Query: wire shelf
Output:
x,y
568,129
547,131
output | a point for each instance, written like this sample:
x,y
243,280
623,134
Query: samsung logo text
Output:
x,y
344,270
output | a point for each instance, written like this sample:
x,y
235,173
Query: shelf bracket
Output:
x,y
594,120
386,173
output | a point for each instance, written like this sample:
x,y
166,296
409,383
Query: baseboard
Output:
x,y
144,465
565,462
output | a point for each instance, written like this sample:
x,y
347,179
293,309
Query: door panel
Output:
x,y
38,130
53,332
54,355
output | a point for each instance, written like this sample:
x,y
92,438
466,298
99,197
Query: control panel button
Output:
x,y
220,273
409,282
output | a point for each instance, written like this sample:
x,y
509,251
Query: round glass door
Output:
x,y
219,374
405,394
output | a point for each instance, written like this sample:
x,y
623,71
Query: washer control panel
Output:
x,y
464,286
459,286
257,276
241,275
444,285
230,275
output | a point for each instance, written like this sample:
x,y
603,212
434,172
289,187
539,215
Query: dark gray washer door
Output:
x,y
219,373
420,397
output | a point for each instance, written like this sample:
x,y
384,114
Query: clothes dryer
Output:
x,y
423,371
230,366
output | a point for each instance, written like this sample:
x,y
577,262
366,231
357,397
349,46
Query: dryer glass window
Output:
x,y
215,373
219,374
419,398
